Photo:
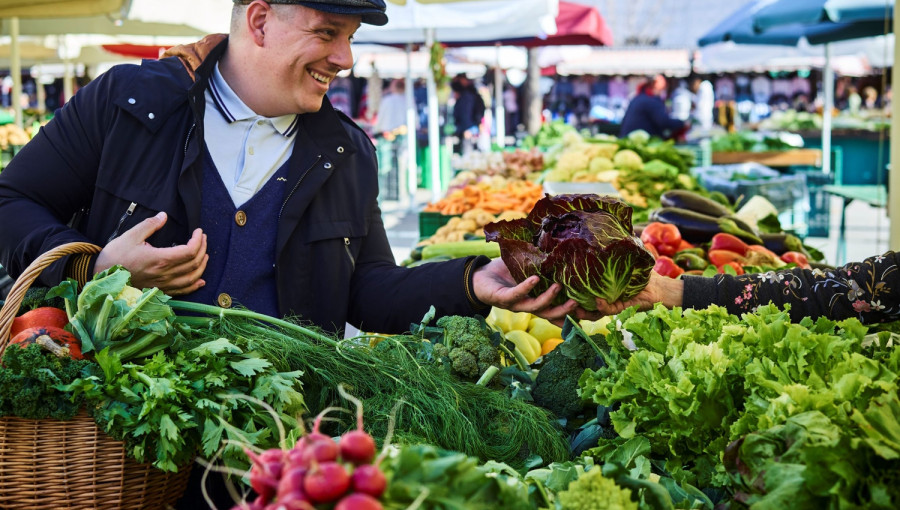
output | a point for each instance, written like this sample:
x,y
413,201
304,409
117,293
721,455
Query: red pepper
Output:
x,y
759,255
723,241
652,250
684,245
667,267
720,257
665,237
738,268
795,257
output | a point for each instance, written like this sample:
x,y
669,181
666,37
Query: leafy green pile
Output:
x,y
690,382
27,383
168,407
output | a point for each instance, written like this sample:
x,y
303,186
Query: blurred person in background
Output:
x,y
468,110
870,98
391,118
647,111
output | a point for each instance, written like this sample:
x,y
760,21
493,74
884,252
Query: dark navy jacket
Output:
x,y
133,135
649,113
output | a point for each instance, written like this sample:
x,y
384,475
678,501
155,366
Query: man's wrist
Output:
x,y
472,266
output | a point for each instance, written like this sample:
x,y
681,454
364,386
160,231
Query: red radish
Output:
x,y
358,502
357,446
256,504
45,316
265,472
56,340
321,450
291,484
292,502
368,479
326,483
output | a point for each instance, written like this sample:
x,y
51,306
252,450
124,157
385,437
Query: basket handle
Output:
x,y
17,293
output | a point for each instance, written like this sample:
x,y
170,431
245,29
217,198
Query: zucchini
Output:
x,y
461,249
691,201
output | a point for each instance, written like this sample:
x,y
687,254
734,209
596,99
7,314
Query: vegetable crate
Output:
x,y
429,222
818,207
71,464
742,181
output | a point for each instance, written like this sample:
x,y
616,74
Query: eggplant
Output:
x,y
700,228
692,201
782,242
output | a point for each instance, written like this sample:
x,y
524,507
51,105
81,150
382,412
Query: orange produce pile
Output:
x,y
515,196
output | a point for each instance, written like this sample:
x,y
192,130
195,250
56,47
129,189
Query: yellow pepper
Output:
x,y
549,345
543,330
527,344
506,320
597,327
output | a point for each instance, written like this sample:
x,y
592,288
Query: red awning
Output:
x,y
136,50
575,24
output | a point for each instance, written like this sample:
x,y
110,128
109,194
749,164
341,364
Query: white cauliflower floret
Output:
x,y
628,160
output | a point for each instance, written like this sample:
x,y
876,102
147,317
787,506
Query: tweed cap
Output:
x,y
371,11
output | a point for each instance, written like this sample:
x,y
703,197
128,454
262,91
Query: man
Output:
x,y
647,111
230,179
468,110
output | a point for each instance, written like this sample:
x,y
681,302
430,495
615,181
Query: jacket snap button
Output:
x,y
240,218
340,150
224,300
327,166
151,116
131,100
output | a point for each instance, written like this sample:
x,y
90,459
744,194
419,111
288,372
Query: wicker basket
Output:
x,y
72,464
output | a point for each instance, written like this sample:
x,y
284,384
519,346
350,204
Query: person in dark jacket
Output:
x,y
468,110
228,178
647,111
867,290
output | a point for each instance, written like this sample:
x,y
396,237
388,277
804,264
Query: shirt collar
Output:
x,y
233,109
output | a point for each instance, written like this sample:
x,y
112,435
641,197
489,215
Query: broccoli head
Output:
x,y
556,385
592,490
467,345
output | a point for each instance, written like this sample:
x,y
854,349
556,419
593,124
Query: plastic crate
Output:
x,y
818,207
429,222
739,182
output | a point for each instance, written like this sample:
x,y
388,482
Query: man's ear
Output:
x,y
258,13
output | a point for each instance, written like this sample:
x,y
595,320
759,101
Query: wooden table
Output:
x,y
872,194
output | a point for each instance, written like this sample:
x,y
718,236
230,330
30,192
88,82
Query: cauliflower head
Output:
x,y
600,164
627,159
592,491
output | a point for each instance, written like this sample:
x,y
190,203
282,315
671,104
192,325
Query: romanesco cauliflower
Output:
x,y
592,491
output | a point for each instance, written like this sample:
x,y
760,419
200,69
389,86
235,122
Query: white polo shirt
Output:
x,y
246,148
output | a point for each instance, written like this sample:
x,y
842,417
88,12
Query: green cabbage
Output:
x,y
583,242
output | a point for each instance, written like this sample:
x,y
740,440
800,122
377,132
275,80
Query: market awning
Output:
x,y
610,61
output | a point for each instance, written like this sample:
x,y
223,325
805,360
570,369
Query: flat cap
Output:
x,y
371,11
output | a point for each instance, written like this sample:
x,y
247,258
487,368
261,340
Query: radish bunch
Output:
x,y
318,471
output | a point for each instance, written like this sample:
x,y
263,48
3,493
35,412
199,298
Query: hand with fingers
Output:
x,y
176,270
495,286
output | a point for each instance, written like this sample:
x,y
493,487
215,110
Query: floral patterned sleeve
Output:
x,y
868,290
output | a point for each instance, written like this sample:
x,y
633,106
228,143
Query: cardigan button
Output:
x,y
240,218
224,300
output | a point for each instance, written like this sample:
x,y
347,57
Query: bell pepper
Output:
x,y
738,268
795,257
723,241
667,267
543,330
549,345
700,252
684,245
666,238
687,260
527,344
652,249
721,257
506,320
597,327
759,255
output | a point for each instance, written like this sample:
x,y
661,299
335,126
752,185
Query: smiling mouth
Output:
x,y
321,78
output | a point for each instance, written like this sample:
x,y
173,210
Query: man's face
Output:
x,y
305,49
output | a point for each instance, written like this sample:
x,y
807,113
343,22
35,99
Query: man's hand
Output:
x,y
175,271
660,289
495,286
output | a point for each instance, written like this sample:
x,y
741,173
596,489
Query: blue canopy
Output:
x,y
812,12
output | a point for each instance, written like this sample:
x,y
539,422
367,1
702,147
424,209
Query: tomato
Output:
x,y
666,238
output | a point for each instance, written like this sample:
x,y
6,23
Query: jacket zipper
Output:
x,y
188,138
128,212
349,254
316,162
